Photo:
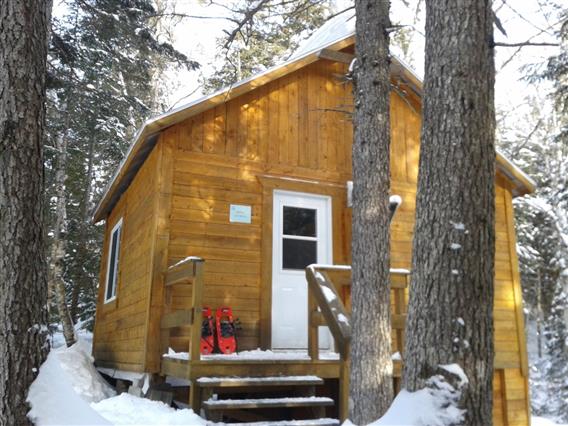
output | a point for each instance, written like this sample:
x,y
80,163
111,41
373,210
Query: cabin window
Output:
x,y
112,262
299,239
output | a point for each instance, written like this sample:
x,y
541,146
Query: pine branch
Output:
x,y
523,44
528,21
528,40
185,16
527,138
248,17
341,12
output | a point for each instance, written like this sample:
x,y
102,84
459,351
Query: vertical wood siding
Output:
x,y
120,327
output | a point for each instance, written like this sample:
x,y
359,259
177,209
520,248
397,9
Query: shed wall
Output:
x,y
294,133
120,326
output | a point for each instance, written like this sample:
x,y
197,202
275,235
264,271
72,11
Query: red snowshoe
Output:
x,y
207,332
226,331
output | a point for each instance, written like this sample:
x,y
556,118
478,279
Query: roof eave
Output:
x,y
522,183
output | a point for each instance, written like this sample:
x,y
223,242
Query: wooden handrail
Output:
x,y
182,272
326,308
189,270
323,290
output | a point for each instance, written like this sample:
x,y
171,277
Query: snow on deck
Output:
x,y
310,422
258,379
400,271
268,401
258,355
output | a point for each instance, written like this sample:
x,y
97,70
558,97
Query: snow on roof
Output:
x,y
337,28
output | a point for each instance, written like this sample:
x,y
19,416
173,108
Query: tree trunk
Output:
x,y
371,392
450,318
23,333
58,249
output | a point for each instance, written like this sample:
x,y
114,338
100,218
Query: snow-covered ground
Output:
x,y
70,391
541,421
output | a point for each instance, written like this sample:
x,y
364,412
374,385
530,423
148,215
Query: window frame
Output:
x,y
116,227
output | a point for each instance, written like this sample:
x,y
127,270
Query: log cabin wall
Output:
x,y
121,324
293,133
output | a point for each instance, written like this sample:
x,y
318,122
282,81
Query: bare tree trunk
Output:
x,y
58,246
24,27
450,318
371,390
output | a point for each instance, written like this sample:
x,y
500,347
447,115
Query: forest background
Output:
x,y
115,63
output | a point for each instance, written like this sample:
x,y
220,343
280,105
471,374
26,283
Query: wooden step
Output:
x,y
313,422
237,404
226,382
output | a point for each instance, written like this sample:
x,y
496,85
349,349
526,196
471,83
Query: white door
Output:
x,y
301,236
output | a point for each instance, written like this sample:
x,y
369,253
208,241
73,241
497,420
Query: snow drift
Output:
x,y
435,405
70,391
67,382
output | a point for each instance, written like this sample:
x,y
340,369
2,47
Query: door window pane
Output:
x,y
297,254
299,221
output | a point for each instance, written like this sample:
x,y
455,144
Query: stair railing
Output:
x,y
188,271
329,290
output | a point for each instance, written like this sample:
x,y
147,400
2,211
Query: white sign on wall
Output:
x,y
240,213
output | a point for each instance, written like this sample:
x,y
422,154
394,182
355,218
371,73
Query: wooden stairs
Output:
x,y
284,400
267,391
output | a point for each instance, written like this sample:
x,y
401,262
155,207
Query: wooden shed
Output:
x,y
249,186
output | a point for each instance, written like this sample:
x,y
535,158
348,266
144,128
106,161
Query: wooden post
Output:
x,y
197,306
313,338
165,333
344,383
399,310
195,396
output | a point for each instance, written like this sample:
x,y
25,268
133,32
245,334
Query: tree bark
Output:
x,y
371,392
450,317
23,333
58,246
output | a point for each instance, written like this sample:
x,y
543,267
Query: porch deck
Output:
x,y
328,305
296,363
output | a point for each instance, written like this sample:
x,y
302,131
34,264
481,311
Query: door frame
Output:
x,y
341,239
325,202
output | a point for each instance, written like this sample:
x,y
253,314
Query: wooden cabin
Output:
x,y
252,182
